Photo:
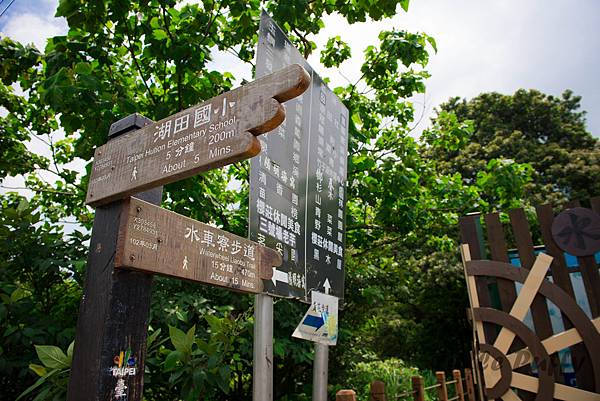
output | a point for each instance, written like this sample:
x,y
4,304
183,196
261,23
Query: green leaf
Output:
x,y
189,336
70,351
23,205
213,361
5,298
214,322
18,294
172,359
52,356
159,34
179,340
152,337
432,42
202,345
279,349
181,315
43,395
38,369
176,375
83,68
154,23
223,378
37,384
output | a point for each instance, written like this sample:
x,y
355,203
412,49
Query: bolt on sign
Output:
x,y
212,134
298,182
156,240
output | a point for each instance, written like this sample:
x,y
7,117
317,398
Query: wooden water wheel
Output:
x,y
499,365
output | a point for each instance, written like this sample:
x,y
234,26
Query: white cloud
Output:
x,y
488,46
224,61
31,28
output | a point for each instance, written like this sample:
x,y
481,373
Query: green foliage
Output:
x,y
395,373
528,126
152,58
335,53
448,134
503,182
194,362
406,307
205,349
53,375
16,126
39,289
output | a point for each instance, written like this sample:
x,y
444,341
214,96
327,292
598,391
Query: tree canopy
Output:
x,y
546,131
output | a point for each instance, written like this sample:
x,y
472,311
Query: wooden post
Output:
x,y
459,387
470,385
110,342
442,390
377,391
418,388
345,395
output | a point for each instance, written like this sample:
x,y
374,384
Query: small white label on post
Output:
x,y
320,322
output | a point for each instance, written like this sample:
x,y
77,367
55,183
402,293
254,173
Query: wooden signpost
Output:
x,y
131,237
209,135
155,240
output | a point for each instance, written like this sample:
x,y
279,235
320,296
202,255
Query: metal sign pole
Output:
x,y
320,368
262,377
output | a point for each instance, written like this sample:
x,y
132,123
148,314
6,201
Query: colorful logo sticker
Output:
x,y
124,365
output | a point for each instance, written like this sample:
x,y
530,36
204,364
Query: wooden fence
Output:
x,y
464,389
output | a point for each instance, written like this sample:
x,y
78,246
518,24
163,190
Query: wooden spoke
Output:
x,y
491,375
561,392
523,301
576,316
520,358
510,395
472,290
552,344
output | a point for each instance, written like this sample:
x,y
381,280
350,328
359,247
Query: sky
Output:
x,y
501,46
483,45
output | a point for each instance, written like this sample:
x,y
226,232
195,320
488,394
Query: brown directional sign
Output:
x,y
212,134
156,240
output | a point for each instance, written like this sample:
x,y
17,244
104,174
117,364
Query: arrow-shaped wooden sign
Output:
x,y
212,134
156,240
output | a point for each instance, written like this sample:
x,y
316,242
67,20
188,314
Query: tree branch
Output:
x,y
376,246
137,65
365,227
177,70
211,21
306,42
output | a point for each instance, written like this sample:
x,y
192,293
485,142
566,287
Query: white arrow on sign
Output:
x,y
327,286
278,275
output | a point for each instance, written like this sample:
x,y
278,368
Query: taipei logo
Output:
x,y
124,364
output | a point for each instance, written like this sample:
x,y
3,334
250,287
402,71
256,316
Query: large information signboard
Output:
x,y
298,182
